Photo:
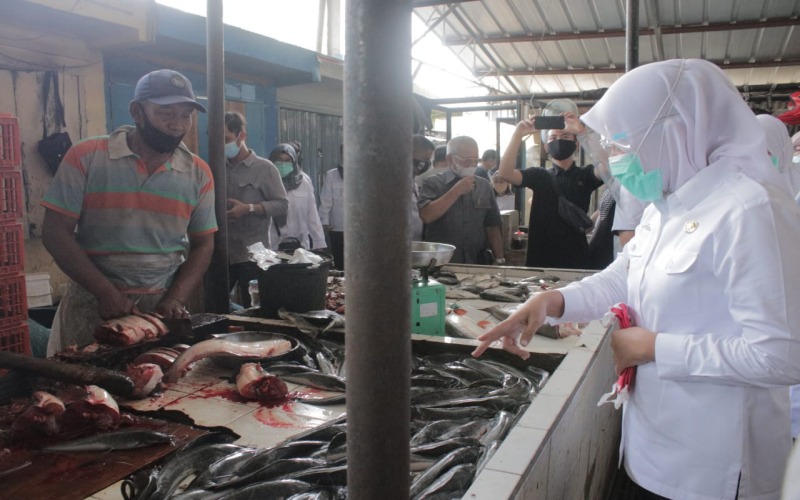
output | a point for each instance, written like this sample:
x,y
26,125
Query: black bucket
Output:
x,y
294,287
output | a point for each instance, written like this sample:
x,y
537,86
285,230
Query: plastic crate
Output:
x,y
13,301
16,339
11,200
12,249
10,155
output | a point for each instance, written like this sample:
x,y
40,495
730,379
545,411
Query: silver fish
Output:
x,y
118,440
282,488
501,296
456,479
313,322
317,381
462,326
456,457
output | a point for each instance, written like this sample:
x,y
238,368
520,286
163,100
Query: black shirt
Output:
x,y
551,241
577,184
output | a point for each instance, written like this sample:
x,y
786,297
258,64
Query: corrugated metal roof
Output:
x,y
556,46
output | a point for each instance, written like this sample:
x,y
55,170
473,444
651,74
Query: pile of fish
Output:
x,y
494,288
462,408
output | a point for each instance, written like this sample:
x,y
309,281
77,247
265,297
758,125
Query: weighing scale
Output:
x,y
427,294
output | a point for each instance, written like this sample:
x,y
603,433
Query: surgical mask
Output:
x,y
158,141
284,167
627,169
561,149
231,150
775,162
463,171
796,159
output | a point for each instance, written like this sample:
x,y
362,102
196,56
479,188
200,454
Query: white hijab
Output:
x,y
699,120
780,144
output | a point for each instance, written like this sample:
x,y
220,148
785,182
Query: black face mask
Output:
x,y
420,166
158,141
561,149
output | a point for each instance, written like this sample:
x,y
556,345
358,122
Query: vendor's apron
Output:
x,y
144,278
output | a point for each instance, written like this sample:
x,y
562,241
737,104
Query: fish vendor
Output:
x,y
130,216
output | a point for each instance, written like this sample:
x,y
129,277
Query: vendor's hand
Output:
x,y
518,329
465,185
633,346
237,209
573,124
326,227
172,308
115,305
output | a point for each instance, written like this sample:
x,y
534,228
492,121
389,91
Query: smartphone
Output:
x,y
548,122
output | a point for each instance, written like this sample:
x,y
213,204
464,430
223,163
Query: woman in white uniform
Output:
x,y
302,220
711,280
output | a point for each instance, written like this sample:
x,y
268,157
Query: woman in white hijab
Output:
x,y
780,149
710,279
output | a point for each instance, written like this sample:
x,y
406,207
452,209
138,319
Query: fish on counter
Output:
x,y
222,347
254,382
162,356
131,329
146,378
313,322
462,326
43,415
97,408
117,440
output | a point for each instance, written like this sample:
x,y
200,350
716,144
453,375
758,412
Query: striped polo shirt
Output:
x,y
122,209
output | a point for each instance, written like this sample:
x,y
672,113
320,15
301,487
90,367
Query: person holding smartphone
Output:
x,y
552,241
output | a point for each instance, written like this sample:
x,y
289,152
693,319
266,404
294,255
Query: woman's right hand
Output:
x,y
518,329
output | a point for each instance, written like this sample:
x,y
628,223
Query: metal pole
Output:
x,y
216,282
631,34
378,122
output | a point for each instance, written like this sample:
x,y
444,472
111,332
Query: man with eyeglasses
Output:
x,y
460,209
420,163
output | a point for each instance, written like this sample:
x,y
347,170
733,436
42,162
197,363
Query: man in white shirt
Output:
x,y
331,210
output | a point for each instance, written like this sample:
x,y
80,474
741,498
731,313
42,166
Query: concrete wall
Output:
x,y
63,35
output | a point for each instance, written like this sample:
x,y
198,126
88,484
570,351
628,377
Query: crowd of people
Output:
x,y
702,194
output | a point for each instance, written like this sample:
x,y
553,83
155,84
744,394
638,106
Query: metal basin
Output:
x,y
244,337
423,252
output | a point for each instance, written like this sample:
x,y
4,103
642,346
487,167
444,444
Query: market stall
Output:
x,y
554,441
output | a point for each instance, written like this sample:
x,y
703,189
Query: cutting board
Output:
x,y
79,475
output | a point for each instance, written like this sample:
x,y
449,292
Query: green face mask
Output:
x,y
627,169
284,167
774,162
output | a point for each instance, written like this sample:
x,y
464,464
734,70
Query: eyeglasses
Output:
x,y
472,162
420,164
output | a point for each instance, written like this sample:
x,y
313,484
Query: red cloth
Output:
x,y
620,391
792,117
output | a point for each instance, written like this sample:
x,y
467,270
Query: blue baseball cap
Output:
x,y
164,87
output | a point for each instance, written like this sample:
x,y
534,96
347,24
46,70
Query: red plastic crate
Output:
x,y
10,154
13,300
12,249
11,200
16,339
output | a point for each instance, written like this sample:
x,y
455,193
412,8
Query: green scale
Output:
x,y
427,305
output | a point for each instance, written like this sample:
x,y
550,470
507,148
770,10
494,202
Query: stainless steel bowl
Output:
x,y
245,337
423,252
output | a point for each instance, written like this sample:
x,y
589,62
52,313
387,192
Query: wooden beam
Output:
x,y
664,30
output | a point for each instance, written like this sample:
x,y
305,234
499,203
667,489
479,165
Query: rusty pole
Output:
x,y
216,282
378,125
631,34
